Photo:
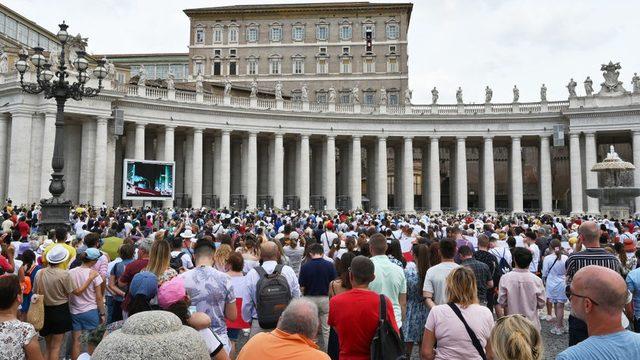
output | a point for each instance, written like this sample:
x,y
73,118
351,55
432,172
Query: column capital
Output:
x,y
574,135
589,134
331,137
102,120
356,137
198,130
407,138
140,125
253,134
488,138
434,138
278,135
461,138
304,136
170,127
516,137
226,132
382,138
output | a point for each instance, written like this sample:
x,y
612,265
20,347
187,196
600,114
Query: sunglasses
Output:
x,y
569,293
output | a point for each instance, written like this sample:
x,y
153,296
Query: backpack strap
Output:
x,y
260,271
472,335
383,309
277,270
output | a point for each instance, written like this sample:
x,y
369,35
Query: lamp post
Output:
x,y
55,210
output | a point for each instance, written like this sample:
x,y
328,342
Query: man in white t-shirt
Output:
x,y
499,248
327,237
530,243
434,289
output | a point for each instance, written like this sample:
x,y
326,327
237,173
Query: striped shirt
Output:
x,y
591,256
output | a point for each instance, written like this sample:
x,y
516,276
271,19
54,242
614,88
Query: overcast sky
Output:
x,y
468,43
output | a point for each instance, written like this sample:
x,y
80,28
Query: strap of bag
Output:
x,y
472,335
277,270
554,262
260,271
383,308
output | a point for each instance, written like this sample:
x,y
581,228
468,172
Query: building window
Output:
x,y
120,78
322,32
217,35
392,49
345,97
392,65
369,27
23,35
298,66
393,31
198,68
162,71
321,98
323,67
217,52
296,96
297,33
217,68
275,66
233,68
33,39
369,66
11,27
369,98
252,34
199,36
252,67
276,34
233,35
346,50
345,32
322,50
393,99
345,66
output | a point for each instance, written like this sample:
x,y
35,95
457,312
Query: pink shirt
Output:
x,y
522,293
87,300
452,337
102,266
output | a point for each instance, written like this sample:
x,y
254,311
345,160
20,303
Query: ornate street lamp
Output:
x,y
55,211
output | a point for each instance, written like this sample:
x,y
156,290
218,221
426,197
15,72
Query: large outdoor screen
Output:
x,y
148,180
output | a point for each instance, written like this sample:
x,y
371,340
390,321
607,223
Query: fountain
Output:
x,y
614,200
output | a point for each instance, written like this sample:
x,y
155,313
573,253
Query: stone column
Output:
x,y
434,175
461,175
17,179
489,177
576,174
381,174
278,176
546,190
516,175
356,173
407,178
636,161
252,171
225,168
593,206
4,125
169,144
196,200
47,154
330,172
139,144
304,172
100,169
87,161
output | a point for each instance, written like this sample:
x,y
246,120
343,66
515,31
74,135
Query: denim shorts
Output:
x,y
86,321
233,334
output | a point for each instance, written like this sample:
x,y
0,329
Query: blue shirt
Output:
x,y
633,284
315,276
621,345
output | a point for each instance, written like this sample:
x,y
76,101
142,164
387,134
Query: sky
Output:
x,y
467,43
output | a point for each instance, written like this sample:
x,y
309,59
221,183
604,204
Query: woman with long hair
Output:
x,y
394,253
444,325
553,274
514,337
221,258
417,310
250,251
159,261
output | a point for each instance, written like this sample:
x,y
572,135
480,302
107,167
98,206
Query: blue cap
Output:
x,y
92,254
144,283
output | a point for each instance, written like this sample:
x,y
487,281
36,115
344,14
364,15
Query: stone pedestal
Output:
x,y
332,107
253,102
615,212
226,101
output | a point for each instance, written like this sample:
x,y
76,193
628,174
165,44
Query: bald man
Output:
x,y
589,234
598,296
269,254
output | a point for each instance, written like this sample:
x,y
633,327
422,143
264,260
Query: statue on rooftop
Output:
x,y
407,96
611,84
588,86
332,95
279,90
516,94
459,95
171,84
142,75
227,86
543,93
199,84
488,94
254,88
355,92
571,86
383,96
304,93
635,82
434,96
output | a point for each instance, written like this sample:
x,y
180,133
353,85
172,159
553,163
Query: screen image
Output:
x,y
148,180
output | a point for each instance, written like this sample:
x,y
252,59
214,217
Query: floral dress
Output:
x,y
14,336
417,311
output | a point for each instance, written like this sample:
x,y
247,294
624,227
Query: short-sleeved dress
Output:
x,y
417,311
14,336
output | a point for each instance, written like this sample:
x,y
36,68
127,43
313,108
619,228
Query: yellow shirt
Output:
x,y
281,345
65,264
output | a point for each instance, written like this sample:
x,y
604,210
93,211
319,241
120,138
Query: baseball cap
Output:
x,y
92,254
144,283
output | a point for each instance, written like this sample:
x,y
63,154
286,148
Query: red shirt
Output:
x,y
5,265
23,227
354,316
130,271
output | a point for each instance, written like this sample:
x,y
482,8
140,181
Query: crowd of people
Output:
x,y
320,285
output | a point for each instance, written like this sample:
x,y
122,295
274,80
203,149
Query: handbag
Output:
x,y
386,343
35,315
472,335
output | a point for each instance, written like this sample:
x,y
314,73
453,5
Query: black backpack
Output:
x,y
176,261
386,343
503,267
272,296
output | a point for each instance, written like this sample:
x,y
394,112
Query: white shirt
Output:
x,y
327,239
501,252
535,250
249,301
